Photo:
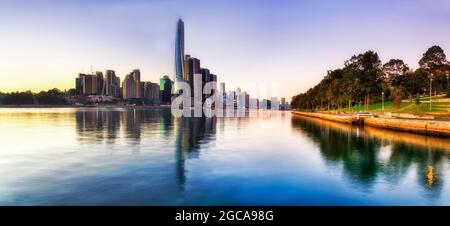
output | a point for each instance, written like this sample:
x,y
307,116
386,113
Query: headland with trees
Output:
x,y
364,83
389,95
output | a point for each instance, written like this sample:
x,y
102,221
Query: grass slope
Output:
x,y
410,107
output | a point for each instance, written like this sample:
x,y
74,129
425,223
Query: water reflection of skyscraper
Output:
x,y
97,126
188,134
192,132
360,150
100,125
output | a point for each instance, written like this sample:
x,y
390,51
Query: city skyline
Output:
x,y
242,42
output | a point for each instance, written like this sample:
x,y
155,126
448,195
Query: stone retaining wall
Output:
x,y
411,125
349,119
434,127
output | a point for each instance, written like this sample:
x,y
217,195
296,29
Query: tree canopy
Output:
x,y
433,59
364,79
50,97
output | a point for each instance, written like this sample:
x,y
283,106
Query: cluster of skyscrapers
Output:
x,y
108,87
187,69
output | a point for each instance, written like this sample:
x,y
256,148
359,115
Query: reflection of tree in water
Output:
x,y
428,163
359,154
356,154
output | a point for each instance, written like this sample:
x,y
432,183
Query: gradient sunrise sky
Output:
x,y
44,44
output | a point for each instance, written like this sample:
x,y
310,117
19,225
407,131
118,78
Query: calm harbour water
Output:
x,y
117,156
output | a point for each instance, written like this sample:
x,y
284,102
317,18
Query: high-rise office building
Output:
x,y
191,67
131,85
222,91
117,89
87,84
151,93
142,89
179,52
247,100
94,84
206,77
254,103
222,88
109,80
98,86
187,68
243,100
136,73
165,87
128,87
231,98
283,103
197,90
112,84
265,104
79,84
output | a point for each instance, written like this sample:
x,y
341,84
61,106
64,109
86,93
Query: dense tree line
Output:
x,y
364,78
50,97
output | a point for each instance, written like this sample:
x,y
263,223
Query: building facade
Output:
x,y
179,52
112,84
191,67
99,83
131,85
165,87
87,84
151,93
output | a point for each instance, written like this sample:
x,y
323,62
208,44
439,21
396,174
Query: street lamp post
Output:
x,y
382,101
431,82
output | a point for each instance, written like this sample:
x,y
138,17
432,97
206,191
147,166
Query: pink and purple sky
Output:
x,y
44,43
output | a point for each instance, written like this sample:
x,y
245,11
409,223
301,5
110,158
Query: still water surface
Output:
x,y
116,156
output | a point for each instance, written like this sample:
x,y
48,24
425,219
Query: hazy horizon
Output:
x,y
46,43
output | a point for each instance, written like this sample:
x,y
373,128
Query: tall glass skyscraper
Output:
x,y
179,53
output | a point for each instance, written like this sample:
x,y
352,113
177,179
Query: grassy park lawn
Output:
x,y
411,107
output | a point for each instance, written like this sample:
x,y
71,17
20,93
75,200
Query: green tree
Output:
x,y
369,72
72,92
418,82
50,97
440,83
433,59
394,69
